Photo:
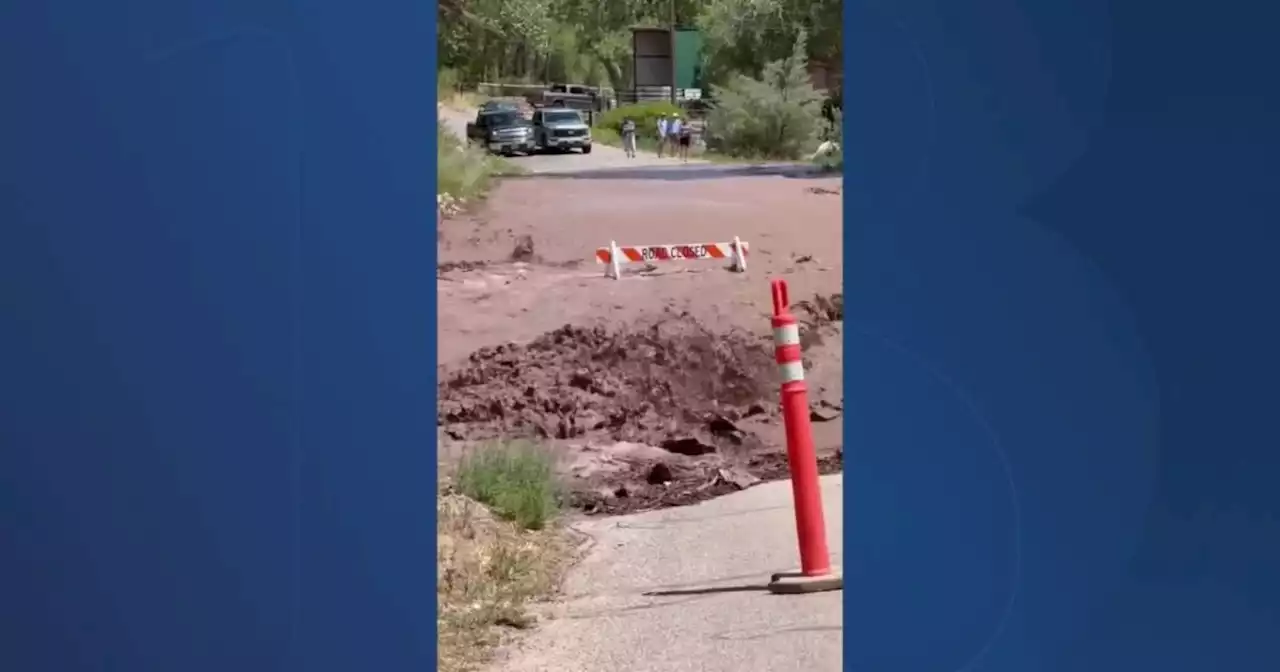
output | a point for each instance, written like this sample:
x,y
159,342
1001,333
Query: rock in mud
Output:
x,y
523,250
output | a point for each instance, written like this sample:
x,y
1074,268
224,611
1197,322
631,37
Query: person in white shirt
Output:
x,y
662,134
673,134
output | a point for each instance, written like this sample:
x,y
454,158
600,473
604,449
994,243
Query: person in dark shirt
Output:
x,y
685,138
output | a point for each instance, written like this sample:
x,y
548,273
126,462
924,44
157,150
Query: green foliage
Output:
x,y
644,114
447,82
486,38
589,42
571,41
465,172
516,480
776,116
742,35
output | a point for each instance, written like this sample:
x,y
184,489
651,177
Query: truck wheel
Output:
x,y
586,149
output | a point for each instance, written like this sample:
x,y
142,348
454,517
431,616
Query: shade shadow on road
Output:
x,y
753,635
638,609
686,596
686,592
711,590
684,172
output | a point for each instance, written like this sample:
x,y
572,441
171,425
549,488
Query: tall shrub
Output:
x,y
777,116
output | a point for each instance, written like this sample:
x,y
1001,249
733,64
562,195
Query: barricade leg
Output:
x,y
739,256
614,269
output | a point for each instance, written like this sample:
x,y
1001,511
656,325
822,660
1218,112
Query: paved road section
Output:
x,y
601,156
682,590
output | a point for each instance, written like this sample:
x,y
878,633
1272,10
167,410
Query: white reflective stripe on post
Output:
x,y
786,335
791,371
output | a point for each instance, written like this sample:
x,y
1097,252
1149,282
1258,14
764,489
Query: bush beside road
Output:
x,y
465,174
501,549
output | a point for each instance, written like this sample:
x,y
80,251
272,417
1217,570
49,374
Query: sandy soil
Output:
x,y
658,388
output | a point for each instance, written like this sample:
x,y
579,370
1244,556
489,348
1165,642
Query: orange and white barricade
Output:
x,y
615,255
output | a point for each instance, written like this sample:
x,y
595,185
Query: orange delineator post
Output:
x,y
816,573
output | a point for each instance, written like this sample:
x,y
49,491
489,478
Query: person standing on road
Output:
x,y
674,131
629,137
663,127
685,139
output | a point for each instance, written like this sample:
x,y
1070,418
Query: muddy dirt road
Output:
x,y
659,388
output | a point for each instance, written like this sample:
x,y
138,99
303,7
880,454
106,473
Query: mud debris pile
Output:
x,y
671,382
664,413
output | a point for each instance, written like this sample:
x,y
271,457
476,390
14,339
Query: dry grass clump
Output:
x,y
497,556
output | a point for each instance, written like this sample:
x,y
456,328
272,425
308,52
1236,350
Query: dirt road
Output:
x,y
660,388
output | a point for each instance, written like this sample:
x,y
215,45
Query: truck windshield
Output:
x,y
561,117
503,118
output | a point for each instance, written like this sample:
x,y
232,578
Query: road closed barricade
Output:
x,y
615,255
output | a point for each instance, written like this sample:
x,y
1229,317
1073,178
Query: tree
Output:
x,y
742,35
776,115
491,38
590,41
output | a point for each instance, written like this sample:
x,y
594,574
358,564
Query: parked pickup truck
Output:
x,y
560,129
502,131
578,97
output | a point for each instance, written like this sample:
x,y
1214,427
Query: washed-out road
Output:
x,y
680,589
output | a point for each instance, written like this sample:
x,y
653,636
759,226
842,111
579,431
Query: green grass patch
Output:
x,y
645,115
466,172
489,571
516,480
